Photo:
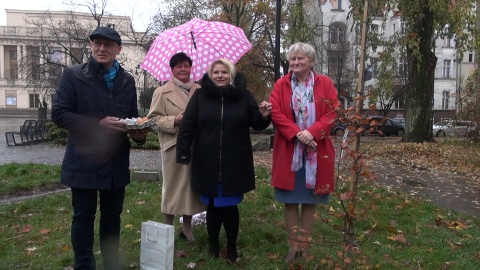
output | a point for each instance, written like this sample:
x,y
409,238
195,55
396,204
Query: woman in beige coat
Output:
x,y
168,104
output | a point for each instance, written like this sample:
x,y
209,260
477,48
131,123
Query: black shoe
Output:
x,y
214,248
232,255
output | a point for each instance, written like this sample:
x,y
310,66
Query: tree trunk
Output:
x,y
418,106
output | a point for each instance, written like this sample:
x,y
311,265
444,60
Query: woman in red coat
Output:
x,y
303,112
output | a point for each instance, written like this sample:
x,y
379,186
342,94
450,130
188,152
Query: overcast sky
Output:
x,y
139,10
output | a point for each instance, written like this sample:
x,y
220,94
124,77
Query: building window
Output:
x,y
403,68
13,65
448,42
399,103
337,4
76,56
336,35
375,28
34,101
11,98
470,57
445,100
374,66
334,66
446,68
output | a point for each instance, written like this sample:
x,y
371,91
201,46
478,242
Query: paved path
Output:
x,y
47,153
447,190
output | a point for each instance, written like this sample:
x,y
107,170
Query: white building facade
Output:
x,y
26,36
450,72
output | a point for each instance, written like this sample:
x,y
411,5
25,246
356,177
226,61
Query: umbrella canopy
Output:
x,y
203,41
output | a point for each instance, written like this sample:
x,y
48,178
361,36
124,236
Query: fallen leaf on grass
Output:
x,y
30,250
447,265
191,265
272,256
181,254
44,231
140,202
66,248
27,229
452,245
128,226
456,225
398,238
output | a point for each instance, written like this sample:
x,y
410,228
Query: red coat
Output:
x,y
286,130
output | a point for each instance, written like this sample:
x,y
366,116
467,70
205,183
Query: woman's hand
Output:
x,y
265,108
178,119
307,138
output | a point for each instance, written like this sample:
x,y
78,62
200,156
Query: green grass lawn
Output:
x,y
396,231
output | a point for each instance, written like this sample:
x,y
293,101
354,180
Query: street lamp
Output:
x,y
142,92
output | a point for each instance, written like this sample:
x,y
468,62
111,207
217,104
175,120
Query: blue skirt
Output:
x,y
222,201
300,193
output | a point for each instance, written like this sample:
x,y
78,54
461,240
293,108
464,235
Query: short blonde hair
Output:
x,y
301,47
228,64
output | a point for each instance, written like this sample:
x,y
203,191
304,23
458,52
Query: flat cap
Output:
x,y
106,32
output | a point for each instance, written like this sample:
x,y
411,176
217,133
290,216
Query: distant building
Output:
x,y
32,54
340,53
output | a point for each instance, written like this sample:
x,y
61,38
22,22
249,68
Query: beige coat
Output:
x,y
177,196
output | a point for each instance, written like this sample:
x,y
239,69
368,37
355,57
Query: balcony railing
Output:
x,y
17,31
338,46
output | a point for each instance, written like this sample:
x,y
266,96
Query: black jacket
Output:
x,y
218,123
94,159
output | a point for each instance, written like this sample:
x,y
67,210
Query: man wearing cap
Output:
x,y
89,103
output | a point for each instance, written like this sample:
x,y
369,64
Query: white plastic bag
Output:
x,y
156,248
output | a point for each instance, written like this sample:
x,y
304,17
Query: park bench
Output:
x,y
42,130
26,135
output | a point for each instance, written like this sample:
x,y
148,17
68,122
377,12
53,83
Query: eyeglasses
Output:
x,y
107,45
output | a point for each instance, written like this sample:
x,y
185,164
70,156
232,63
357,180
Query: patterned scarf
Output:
x,y
110,74
303,107
184,86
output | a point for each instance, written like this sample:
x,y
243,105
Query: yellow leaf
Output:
x,y
392,237
66,248
128,226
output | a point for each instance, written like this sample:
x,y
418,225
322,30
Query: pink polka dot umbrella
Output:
x,y
203,41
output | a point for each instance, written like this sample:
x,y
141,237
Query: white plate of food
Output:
x,y
140,123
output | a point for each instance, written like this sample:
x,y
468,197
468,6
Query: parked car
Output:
x,y
459,128
384,126
400,121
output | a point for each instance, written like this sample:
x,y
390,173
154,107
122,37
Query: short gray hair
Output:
x,y
228,64
301,47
